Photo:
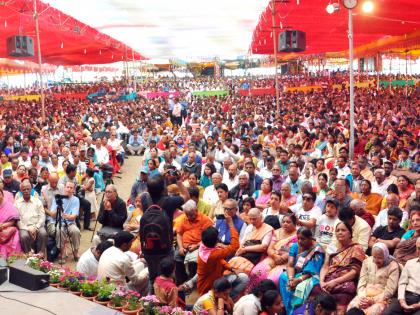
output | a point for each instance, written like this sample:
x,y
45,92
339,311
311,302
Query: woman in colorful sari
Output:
x,y
254,245
9,234
278,253
378,281
262,196
341,269
305,260
406,249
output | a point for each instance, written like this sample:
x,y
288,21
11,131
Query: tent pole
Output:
x,y
134,67
351,147
273,10
39,63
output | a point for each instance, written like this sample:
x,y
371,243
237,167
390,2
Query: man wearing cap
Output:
x,y
10,184
140,185
188,236
267,170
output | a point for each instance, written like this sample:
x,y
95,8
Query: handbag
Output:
x,y
253,257
348,287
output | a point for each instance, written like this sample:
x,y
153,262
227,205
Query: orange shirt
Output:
x,y
191,231
373,201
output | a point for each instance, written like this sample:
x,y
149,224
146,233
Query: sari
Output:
x,y
406,249
341,262
247,261
268,269
308,262
9,236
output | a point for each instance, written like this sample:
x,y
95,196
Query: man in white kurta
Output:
x,y
116,265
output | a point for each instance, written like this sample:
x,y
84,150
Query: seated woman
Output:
x,y
9,233
341,269
406,249
132,224
216,301
278,253
247,204
165,288
254,245
378,281
271,303
262,196
306,258
275,209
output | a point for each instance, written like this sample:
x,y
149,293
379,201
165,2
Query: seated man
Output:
x,y
359,207
392,200
112,214
117,266
140,185
360,228
188,235
230,207
211,263
408,301
88,262
32,221
390,234
135,143
69,230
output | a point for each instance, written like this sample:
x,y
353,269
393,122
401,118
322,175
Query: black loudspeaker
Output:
x,y
292,41
3,275
20,46
26,277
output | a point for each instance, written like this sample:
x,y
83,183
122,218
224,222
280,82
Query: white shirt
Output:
x,y
343,172
314,213
381,188
210,195
230,182
265,173
117,265
382,219
102,155
87,264
325,227
247,305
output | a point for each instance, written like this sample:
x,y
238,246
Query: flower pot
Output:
x,y
141,311
130,312
78,293
55,285
89,298
104,303
63,288
110,305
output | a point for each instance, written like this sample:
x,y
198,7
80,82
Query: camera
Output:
x,y
59,199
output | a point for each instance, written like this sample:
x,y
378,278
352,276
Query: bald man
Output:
x,y
210,193
49,191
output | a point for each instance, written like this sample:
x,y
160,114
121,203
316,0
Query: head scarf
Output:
x,y
387,257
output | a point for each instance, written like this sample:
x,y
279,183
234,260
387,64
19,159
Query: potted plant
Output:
x,y
34,262
104,292
149,305
117,300
89,289
133,304
54,277
45,266
71,281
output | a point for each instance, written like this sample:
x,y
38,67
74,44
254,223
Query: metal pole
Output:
x,y
273,11
38,43
134,70
351,146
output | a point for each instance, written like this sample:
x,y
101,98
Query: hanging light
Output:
x,y
332,8
100,52
367,6
5,23
62,45
84,51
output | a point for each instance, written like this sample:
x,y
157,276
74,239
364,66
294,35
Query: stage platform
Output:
x,y
47,301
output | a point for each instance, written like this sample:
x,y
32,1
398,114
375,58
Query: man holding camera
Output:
x,y
67,206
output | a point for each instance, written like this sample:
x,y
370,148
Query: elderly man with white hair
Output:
x,y
210,193
243,190
380,184
359,208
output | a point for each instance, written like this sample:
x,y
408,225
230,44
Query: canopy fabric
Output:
x,y
328,32
10,67
64,40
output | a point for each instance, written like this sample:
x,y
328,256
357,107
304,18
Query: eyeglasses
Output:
x,y
229,209
306,198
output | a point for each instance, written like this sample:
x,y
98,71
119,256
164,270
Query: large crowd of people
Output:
x,y
257,211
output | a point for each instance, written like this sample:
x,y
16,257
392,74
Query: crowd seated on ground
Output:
x,y
235,201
